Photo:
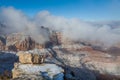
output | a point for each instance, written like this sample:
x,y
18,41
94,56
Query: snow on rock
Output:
x,y
110,68
38,51
73,47
51,70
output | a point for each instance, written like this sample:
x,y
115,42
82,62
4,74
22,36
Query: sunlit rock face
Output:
x,y
20,41
31,58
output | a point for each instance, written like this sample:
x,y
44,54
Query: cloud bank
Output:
x,y
17,21
99,33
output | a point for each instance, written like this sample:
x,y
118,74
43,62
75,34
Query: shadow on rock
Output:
x,y
75,73
7,61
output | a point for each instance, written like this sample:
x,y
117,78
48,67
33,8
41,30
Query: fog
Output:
x,y
17,21
99,33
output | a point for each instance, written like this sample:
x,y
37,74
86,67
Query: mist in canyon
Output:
x,y
106,33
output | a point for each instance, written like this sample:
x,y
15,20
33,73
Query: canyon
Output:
x,y
60,58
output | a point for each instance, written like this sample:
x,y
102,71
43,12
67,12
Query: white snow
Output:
x,y
74,46
51,69
38,51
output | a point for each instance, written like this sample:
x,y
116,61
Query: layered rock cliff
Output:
x,y
18,42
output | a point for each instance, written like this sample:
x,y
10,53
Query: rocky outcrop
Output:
x,y
20,41
63,39
30,58
51,70
32,63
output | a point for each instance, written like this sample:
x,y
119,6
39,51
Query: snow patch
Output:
x,y
51,69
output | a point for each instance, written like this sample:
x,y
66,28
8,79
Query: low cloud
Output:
x,y
99,33
17,21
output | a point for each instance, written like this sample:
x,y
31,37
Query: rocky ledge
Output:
x,y
32,64
50,71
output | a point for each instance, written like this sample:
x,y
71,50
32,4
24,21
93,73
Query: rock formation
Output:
x,y
94,64
20,41
33,64
31,58
51,70
80,61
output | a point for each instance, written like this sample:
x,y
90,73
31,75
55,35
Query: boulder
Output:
x,y
30,58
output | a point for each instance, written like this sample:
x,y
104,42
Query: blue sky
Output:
x,y
93,10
